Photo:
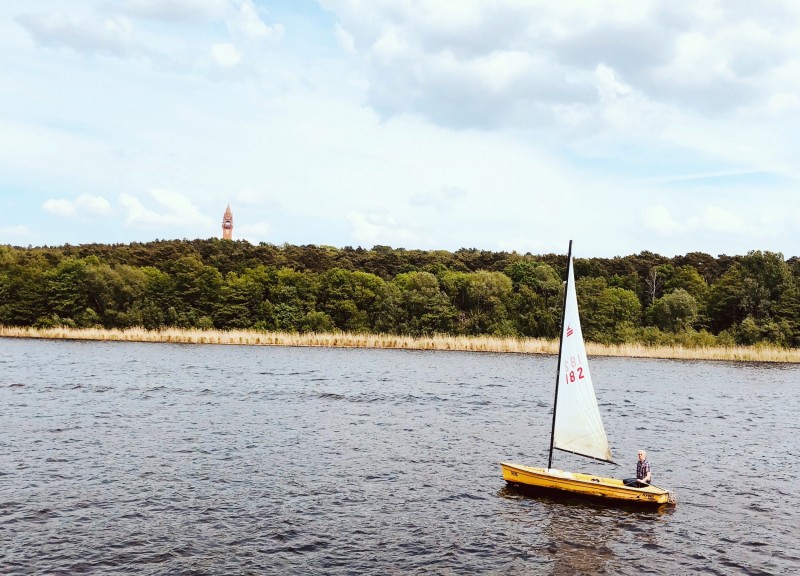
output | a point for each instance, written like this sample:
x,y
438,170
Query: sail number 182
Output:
x,y
572,370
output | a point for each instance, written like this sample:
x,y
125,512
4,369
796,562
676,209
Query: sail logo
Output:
x,y
569,331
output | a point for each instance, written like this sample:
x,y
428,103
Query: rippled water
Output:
x,y
167,459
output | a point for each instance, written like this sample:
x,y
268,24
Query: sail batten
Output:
x,y
578,427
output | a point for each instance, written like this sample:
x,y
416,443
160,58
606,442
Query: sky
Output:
x,y
514,125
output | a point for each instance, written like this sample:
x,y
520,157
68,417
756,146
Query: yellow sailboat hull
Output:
x,y
584,485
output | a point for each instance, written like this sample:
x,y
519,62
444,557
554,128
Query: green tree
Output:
x,y
427,310
614,313
23,291
688,279
488,297
289,296
350,298
158,299
67,288
128,287
197,286
674,312
537,300
240,300
754,288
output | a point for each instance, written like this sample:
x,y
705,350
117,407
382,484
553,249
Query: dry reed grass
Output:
x,y
438,342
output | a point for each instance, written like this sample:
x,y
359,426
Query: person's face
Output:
x,y
641,454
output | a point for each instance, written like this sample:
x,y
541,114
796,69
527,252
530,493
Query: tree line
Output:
x,y
695,300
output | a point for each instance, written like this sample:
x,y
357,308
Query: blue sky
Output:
x,y
510,125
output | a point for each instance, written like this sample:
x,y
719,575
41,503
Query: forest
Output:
x,y
692,300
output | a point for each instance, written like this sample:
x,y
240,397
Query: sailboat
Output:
x,y
577,426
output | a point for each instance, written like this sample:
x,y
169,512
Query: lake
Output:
x,y
125,458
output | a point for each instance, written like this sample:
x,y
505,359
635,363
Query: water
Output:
x,y
119,458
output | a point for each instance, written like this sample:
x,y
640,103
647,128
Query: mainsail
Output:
x,y
577,427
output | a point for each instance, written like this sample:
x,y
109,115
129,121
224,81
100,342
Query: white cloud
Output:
x,y
252,196
178,210
443,198
547,117
783,102
109,36
248,22
253,233
83,205
177,10
721,220
608,86
225,55
59,207
659,220
346,40
19,233
373,228
711,219
500,70
535,55
390,46
96,205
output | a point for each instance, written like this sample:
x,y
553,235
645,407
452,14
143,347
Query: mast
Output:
x,y
558,370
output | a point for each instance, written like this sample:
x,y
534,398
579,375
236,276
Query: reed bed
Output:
x,y
437,342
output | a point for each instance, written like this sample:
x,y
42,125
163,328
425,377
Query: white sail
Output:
x,y
578,427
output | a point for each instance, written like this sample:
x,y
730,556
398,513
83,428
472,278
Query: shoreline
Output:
x,y
492,344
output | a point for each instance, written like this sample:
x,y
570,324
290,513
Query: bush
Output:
x,y
652,336
693,339
726,339
317,322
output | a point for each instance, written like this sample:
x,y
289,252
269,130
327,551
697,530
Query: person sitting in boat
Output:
x,y
644,475
643,472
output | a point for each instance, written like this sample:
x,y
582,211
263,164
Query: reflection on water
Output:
x,y
161,459
581,536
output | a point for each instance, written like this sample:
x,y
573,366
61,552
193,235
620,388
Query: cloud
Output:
x,y
109,30
659,220
510,61
225,55
444,198
505,114
85,204
247,21
177,210
110,36
371,229
59,207
252,196
177,10
96,205
346,40
17,233
718,219
608,86
712,219
783,102
253,233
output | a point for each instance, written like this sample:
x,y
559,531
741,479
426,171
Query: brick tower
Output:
x,y
227,224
